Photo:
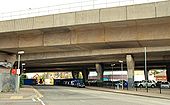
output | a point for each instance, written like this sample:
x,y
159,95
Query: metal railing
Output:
x,y
70,7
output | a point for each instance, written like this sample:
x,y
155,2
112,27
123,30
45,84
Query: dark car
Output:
x,y
80,85
158,84
136,83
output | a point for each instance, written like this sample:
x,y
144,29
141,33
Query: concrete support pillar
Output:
x,y
168,73
85,74
7,61
6,64
130,70
75,74
99,70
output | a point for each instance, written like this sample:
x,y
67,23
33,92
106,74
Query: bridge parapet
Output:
x,y
112,14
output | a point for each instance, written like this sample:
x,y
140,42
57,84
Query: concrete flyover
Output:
x,y
92,36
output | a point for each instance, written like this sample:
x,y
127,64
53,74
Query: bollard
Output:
x,y
160,89
147,89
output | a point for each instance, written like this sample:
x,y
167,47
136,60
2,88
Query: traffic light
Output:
x,y
13,71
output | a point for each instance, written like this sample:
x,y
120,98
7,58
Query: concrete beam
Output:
x,y
163,9
7,26
24,24
65,19
9,42
31,41
141,35
57,39
86,17
93,53
141,11
43,21
113,14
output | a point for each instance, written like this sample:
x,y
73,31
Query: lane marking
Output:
x,y
41,101
82,101
37,93
33,99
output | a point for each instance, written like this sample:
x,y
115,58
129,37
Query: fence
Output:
x,y
70,7
117,86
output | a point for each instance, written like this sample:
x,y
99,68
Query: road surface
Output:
x,y
81,96
55,95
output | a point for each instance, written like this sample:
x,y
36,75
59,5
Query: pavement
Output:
x,y
153,93
26,92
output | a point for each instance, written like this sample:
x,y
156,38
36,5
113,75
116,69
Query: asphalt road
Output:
x,y
81,96
55,95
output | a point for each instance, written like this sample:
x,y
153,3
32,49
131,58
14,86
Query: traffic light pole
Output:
x,y
18,71
17,75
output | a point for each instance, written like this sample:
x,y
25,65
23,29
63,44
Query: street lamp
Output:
x,y
146,72
121,62
112,72
18,71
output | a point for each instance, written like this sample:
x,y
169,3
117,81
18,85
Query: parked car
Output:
x,y
107,83
165,85
80,85
149,83
158,84
77,83
137,83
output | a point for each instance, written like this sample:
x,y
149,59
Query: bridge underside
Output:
x,y
79,40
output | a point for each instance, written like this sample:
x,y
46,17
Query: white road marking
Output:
x,y
82,100
33,99
41,101
37,93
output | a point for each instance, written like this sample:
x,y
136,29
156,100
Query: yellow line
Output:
x,y
16,97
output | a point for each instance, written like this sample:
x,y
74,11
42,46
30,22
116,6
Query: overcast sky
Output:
x,y
11,9
15,5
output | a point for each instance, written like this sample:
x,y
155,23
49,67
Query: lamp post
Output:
x,y
18,71
121,62
112,65
146,72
